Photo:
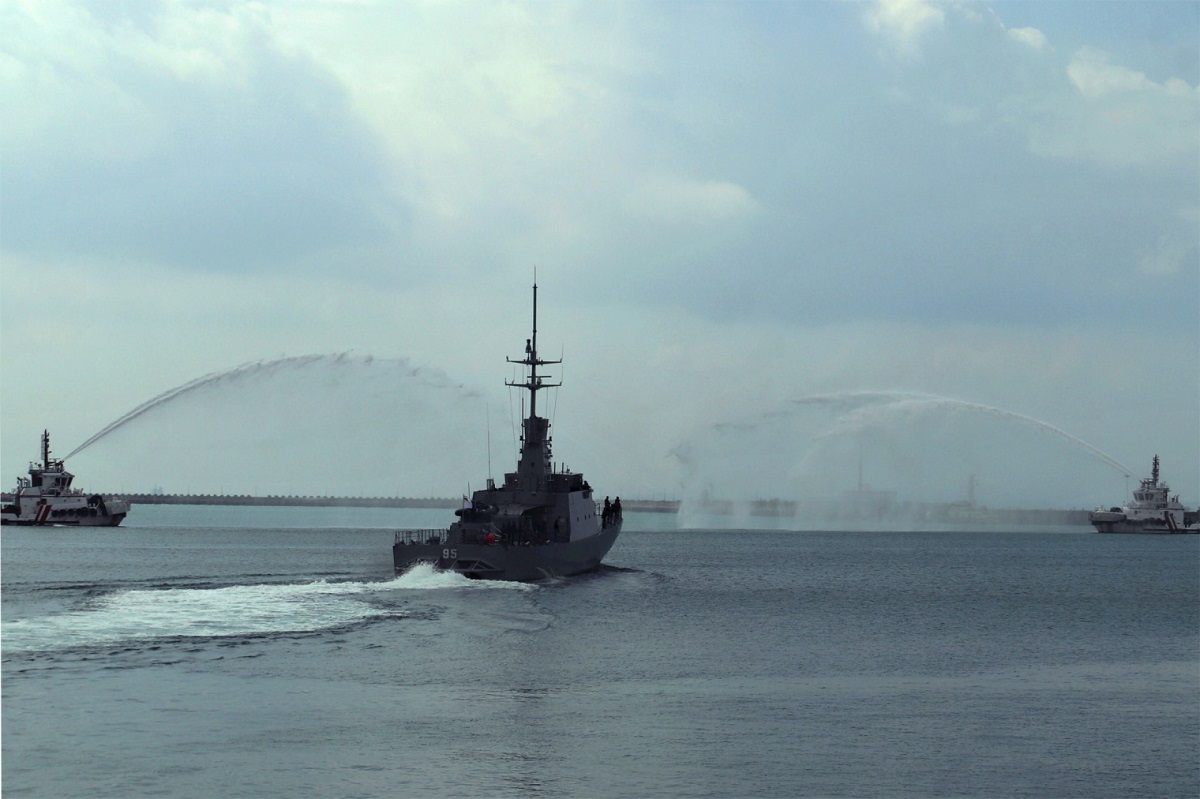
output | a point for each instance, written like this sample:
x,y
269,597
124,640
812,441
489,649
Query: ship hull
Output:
x,y
70,511
509,562
92,521
1141,528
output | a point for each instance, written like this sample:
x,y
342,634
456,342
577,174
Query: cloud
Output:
x,y
184,135
1119,118
1093,135
903,22
414,143
1084,108
683,201
1030,37
1176,246
1094,77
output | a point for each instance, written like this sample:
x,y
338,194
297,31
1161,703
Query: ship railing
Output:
x,y
420,536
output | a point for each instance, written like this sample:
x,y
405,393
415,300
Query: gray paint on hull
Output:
x,y
500,562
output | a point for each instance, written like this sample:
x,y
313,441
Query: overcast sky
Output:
x,y
967,225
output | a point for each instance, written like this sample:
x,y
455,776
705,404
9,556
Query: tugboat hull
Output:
x,y
523,563
1111,522
107,520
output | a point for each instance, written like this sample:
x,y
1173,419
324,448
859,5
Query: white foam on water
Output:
x,y
424,577
238,610
196,612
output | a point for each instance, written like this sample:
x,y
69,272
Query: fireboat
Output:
x,y
1152,510
46,497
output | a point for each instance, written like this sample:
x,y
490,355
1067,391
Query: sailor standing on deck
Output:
x,y
606,515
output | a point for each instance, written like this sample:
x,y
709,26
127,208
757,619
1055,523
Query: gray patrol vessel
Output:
x,y
540,523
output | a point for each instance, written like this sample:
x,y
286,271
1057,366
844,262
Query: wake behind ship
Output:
x,y
540,523
46,497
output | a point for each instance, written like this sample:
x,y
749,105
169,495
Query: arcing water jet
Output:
x,y
862,418
338,425
919,447
245,371
211,379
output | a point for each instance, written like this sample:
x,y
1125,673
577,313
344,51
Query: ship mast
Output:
x,y
535,448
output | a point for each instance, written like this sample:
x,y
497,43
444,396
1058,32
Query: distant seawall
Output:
x,y
296,501
643,506
950,513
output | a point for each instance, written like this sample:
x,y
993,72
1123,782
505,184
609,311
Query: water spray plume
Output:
x,y
210,379
266,369
861,418
922,447
849,400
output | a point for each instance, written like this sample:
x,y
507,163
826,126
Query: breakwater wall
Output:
x,y
917,512
641,506
296,501
949,513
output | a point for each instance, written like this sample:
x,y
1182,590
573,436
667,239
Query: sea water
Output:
x,y
271,652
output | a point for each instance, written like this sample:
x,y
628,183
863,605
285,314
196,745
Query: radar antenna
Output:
x,y
534,463
534,382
